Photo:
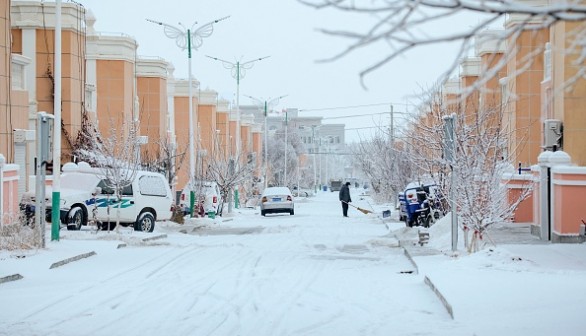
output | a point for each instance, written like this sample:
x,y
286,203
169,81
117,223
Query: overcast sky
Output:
x,y
286,31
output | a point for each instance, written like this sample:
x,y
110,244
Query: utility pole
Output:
x,y
314,159
286,145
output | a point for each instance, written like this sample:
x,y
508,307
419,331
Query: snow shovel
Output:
x,y
364,211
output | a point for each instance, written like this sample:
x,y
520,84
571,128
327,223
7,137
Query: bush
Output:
x,y
17,236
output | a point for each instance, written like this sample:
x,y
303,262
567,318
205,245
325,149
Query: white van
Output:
x,y
209,196
84,192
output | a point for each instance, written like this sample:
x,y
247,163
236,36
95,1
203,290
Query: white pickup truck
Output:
x,y
84,193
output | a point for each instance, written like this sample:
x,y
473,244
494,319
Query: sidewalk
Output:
x,y
521,286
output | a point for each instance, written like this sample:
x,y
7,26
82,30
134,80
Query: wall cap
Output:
x,y
568,170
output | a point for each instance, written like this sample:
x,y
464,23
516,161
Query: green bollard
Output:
x,y
236,199
192,204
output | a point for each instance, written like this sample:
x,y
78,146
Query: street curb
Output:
x,y
155,237
408,255
429,283
442,298
10,278
68,260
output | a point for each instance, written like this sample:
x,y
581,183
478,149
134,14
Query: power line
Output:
x,y
366,127
356,115
342,107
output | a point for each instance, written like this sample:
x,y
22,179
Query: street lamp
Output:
x,y
286,144
313,127
238,71
267,104
189,39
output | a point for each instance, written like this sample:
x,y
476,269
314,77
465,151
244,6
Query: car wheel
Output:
x,y
75,219
145,222
292,212
263,213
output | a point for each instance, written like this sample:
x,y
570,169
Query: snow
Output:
x,y
314,273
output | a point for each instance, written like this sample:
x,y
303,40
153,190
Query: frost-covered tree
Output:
x,y
276,159
480,163
481,166
385,165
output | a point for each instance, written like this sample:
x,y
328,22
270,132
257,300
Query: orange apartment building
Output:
x,y
207,124
257,148
14,114
111,68
153,109
33,30
181,121
246,122
523,90
223,128
560,177
567,92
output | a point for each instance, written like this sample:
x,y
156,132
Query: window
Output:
x,y
152,185
108,188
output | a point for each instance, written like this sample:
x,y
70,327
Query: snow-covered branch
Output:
x,y
403,25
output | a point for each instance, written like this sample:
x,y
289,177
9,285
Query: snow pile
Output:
x,y
440,234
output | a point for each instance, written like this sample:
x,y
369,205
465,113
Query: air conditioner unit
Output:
x,y
552,134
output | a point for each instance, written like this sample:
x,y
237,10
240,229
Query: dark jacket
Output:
x,y
345,194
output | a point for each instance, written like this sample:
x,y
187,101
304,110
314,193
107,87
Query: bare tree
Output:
x,y
167,159
119,161
229,171
87,141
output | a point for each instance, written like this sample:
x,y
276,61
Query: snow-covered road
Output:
x,y
314,273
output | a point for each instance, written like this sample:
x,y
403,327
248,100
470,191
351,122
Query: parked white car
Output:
x,y
275,200
84,192
207,195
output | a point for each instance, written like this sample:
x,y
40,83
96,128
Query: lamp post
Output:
x,y
238,71
286,145
314,159
267,105
189,39
56,195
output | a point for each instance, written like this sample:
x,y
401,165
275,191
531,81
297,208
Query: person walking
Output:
x,y
345,198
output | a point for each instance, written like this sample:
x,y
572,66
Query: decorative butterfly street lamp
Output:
x,y
238,71
189,39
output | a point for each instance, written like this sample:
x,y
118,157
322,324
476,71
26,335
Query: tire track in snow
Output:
x,y
171,297
103,281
